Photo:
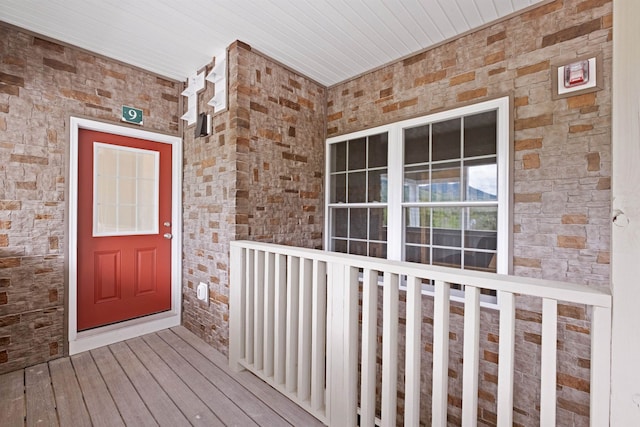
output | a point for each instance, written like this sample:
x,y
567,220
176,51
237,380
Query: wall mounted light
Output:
x,y
203,125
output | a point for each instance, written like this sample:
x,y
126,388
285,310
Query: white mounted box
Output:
x,y
590,76
202,292
585,77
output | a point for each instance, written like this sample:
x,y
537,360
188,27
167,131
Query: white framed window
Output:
x,y
125,190
432,190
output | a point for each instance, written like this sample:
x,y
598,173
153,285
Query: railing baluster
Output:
x,y
318,334
269,306
413,351
600,365
250,312
471,357
549,362
237,329
280,319
304,329
291,353
439,397
389,349
369,341
506,358
258,328
352,313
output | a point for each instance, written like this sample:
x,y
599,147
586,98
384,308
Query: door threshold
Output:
x,y
110,334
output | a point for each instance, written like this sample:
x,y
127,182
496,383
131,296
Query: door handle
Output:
x,y
168,236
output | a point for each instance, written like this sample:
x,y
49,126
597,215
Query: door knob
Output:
x,y
168,236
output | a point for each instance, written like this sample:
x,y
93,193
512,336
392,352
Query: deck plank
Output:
x,y
276,401
40,402
256,409
68,395
189,403
285,407
169,378
165,412
129,403
12,402
221,405
102,409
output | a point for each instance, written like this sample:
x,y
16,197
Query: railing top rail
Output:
x,y
561,291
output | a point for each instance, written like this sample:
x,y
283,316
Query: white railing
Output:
x,y
295,317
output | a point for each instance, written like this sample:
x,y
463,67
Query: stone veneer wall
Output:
x,y
257,177
41,84
562,175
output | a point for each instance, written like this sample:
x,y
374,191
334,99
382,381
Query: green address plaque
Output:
x,y
131,115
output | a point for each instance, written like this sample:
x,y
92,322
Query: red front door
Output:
x,y
124,214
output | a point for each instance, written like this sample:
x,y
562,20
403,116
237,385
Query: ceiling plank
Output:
x,y
330,40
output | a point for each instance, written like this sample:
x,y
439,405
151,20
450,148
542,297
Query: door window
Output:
x,y
126,190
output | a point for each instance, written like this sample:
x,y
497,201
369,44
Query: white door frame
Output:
x,y
625,237
98,337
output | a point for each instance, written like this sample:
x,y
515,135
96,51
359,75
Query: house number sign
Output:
x,y
131,115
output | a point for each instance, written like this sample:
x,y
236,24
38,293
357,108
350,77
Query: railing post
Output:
x,y
342,345
506,358
237,283
413,352
548,362
369,345
318,335
389,349
600,366
280,319
471,356
441,309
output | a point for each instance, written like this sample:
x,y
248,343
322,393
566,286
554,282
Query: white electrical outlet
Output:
x,y
202,292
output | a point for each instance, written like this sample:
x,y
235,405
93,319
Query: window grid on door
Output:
x,y
125,191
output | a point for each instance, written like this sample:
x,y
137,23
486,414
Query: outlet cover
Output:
x,y
202,292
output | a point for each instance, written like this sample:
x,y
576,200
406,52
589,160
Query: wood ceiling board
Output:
x,y
330,41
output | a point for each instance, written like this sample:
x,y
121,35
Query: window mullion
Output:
x,y
395,193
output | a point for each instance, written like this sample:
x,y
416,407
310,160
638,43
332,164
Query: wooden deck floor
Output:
x,y
170,378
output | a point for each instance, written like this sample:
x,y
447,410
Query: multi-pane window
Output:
x,y
450,205
432,190
358,195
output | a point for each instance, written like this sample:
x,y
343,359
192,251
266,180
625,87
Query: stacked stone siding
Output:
x,y
42,84
561,177
561,160
257,177
280,171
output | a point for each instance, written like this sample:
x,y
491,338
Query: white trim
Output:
x,y
87,340
625,226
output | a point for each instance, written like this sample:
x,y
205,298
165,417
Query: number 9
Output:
x,y
133,114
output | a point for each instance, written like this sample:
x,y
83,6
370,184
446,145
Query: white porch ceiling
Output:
x,y
327,40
